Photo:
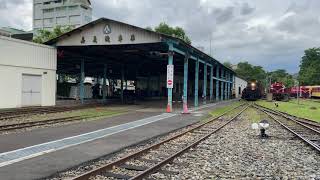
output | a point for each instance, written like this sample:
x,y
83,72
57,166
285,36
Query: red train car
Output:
x,y
303,91
278,91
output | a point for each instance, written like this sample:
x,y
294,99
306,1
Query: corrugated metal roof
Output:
x,y
13,30
164,36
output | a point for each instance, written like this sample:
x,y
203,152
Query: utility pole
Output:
x,y
210,46
298,90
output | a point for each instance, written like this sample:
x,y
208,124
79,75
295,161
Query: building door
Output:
x,y
31,90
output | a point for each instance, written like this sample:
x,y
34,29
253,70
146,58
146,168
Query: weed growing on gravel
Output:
x,y
219,111
303,109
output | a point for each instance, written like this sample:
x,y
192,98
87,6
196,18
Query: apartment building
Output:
x,y
49,13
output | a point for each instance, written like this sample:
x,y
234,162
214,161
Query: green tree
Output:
x,y
172,31
46,35
309,73
227,64
149,28
250,72
281,75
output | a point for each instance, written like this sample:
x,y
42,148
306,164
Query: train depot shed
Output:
x,y
132,63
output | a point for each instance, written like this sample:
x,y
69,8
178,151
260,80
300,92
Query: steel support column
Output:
x,y
217,83
211,83
222,84
204,93
170,62
126,79
196,84
122,79
226,86
185,79
104,83
82,77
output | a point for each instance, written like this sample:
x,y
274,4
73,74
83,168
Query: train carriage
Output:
x,y
315,92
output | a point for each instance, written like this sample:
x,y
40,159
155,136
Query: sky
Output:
x,y
269,33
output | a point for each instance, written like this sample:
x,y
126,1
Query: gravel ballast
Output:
x,y
237,152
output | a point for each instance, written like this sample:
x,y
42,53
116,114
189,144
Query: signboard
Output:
x,y
170,73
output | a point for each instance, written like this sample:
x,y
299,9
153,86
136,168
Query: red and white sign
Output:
x,y
170,73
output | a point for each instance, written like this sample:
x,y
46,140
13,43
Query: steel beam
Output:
x,y
185,79
82,77
196,84
122,79
222,85
217,83
205,74
228,86
104,95
170,62
211,83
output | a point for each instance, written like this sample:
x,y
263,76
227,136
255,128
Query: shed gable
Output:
x,y
108,33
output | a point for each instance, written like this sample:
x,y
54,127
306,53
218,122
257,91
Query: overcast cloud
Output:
x,y
270,33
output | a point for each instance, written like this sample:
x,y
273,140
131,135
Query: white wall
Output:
x,y
239,83
21,57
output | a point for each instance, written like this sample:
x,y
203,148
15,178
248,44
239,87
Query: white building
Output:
x,y
27,74
49,13
238,86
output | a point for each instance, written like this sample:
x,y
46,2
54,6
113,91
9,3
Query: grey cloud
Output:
x,y
224,15
4,3
246,9
283,29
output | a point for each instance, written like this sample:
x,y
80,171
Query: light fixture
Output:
x,y
263,126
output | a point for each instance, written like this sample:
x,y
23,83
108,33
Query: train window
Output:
x,y
239,90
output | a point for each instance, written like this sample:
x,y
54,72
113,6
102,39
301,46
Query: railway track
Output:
x,y
151,159
305,121
308,133
11,127
17,126
16,113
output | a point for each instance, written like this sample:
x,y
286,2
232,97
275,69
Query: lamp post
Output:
x,y
298,89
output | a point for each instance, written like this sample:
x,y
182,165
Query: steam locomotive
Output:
x,y
253,91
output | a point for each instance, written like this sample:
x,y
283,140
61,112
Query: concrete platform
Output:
x,y
56,160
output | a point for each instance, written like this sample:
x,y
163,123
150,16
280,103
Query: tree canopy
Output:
x,y
250,72
171,31
46,35
227,64
309,73
281,75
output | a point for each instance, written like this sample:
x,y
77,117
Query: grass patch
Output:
x,y
219,111
305,109
254,115
97,112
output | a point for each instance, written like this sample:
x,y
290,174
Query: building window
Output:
x,y
87,19
72,8
48,21
61,8
48,10
74,19
62,20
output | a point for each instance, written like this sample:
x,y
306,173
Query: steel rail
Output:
x,y
171,158
17,126
120,161
288,116
317,147
33,111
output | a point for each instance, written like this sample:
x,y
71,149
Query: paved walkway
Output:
x,y
36,157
